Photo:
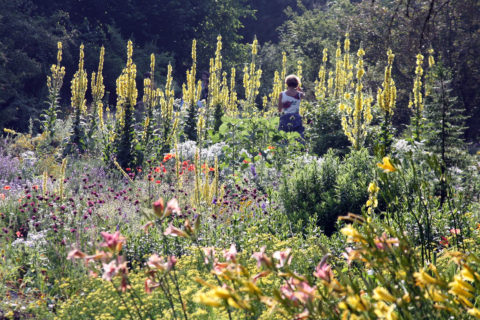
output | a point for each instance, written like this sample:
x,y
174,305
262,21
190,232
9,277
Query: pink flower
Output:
x,y
231,254
156,262
113,241
110,270
209,254
384,242
158,207
455,231
76,254
284,257
99,255
304,315
262,258
172,261
174,232
323,270
149,285
172,207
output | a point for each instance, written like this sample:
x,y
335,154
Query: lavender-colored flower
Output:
x,y
253,170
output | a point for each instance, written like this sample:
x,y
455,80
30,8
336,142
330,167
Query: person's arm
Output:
x,y
280,106
301,94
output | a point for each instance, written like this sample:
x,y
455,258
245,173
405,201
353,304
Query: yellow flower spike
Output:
x,y
436,295
208,301
382,294
387,166
232,303
221,293
352,234
465,285
468,274
474,312
355,302
458,291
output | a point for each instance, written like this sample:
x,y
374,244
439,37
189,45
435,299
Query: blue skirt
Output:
x,y
291,122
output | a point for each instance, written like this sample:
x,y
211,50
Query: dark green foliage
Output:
x,y
218,114
310,191
327,190
77,141
190,129
323,129
445,119
126,143
445,123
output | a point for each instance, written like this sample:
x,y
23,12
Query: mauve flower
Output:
x,y
156,262
323,270
76,254
231,254
174,232
158,207
262,258
284,257
209,254
113,241
110,270
172,207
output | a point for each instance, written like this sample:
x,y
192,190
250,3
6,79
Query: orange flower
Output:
x,y
6,188
35,187
246,161
270,147
157,169
387,166
168,156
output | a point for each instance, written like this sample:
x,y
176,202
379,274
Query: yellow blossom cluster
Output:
x,y
79,85
126,86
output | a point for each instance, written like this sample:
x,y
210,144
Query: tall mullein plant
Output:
x,y
356,112
150,101
386,100
98,91
191,94
79,87
251,79
169,122
54,84
417,105
126,101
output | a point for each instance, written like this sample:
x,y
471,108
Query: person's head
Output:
x,y
292,81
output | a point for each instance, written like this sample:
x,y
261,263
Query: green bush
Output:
x,y
327,189
323,130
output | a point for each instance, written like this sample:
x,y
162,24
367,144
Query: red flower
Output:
x,y
168,156
128,169
158,182
211,169
444,242
157,169
19,234
7,188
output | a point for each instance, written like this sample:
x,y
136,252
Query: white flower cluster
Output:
x,y
187,149
37,239
28,158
